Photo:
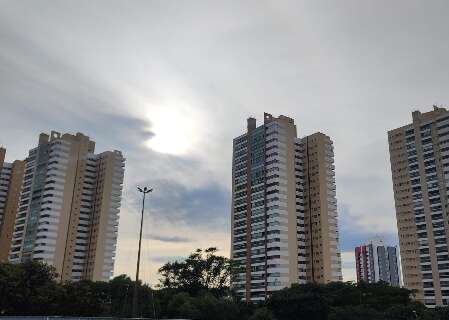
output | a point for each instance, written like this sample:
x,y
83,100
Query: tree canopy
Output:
x,y
201,271
197,288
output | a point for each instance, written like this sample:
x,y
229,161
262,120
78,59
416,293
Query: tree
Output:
x,y
202,270
261,314
346,301
28,289
120,291
198,289
299,302
182,305
85,298
355,313
439,314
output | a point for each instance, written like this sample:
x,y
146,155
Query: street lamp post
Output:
x,y
144,192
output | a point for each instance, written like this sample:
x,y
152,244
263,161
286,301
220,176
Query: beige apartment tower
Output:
x,y
320,210
419,155
69,207
11,175
279,184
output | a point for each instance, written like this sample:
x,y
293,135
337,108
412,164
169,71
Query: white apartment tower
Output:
x,y
68,212
284,213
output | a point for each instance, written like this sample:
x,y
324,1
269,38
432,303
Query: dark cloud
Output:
x,y
171,239
176,203
350,236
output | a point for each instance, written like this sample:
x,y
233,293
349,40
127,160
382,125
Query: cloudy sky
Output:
x,y
170,83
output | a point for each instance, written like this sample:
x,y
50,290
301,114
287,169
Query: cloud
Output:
x,y
175,239
117,72
352,236
165,259
348,266
177,203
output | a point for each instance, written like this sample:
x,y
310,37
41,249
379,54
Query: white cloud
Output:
x,y
348,266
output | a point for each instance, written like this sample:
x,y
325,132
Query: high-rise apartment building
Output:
x,y
320,209
284,214
69,207
376,262
11,175
419,155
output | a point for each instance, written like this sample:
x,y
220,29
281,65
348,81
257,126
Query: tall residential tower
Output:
x,y
419,155
284,213
11,175
69,207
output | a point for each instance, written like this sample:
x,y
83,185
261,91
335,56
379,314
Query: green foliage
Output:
x,y
29,284
355,313
84,298
299,302
347,301
182,305
202,270
261,314
198,289
121,290
30,289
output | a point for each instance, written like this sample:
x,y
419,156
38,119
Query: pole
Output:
x,y
134,310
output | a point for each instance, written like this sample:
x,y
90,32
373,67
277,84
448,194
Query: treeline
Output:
x,y
198,288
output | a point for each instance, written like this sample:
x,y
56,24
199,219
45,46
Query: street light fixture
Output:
x,y
144,192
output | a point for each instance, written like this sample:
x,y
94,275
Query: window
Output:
x,y
422,235
439,233
443,266
426,267
439,224
430,293
441,249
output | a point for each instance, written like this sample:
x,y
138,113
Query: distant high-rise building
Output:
x,y
284,211
419,155
376,262
69,207
11,175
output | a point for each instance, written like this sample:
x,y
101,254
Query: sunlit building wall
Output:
x,y
284,213
69,207
419,155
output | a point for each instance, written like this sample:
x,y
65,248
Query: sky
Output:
x,y
171,83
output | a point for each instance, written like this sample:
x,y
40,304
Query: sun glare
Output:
x,y
174,128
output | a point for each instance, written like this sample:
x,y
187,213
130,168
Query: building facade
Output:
x,y
419,155
279,185
320,209
69,204
11,175
376,262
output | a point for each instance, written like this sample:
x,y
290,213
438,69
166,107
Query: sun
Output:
x,y
175,128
